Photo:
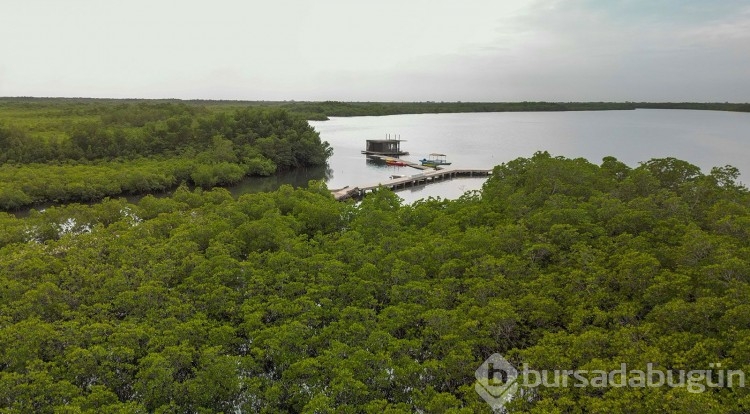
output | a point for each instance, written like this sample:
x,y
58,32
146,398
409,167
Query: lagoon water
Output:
x,y
483,140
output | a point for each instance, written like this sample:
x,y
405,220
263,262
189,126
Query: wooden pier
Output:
x,y
395,184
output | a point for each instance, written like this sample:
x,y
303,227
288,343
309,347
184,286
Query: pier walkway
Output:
x,y
410,181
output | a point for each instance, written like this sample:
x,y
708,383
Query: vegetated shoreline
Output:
x,y
322,110
165,192
73,132
72,151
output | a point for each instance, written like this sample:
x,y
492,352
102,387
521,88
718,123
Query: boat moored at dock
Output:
x,y
435,159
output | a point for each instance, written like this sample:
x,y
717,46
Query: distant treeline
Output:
x,y
322,110
83,150
731,107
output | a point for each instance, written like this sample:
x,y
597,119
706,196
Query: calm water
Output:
x,y
483,140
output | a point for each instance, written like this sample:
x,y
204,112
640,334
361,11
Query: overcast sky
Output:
x,y
378,50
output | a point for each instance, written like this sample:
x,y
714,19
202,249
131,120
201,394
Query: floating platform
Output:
x,y
389,146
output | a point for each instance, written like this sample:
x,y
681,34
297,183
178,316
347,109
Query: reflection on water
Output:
x,y
296,178
448,189
484,140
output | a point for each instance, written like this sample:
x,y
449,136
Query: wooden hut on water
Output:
x,y
389,146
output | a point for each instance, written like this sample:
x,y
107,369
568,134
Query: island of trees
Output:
x,y
289,301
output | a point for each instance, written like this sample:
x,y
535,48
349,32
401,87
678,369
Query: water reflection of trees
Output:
x,y
296,178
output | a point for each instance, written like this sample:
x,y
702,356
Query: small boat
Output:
x,y
396,163
435,159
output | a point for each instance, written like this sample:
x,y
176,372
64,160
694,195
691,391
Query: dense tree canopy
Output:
x,y
291,302
58,151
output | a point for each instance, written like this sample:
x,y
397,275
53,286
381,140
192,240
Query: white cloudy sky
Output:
x,y
384,50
